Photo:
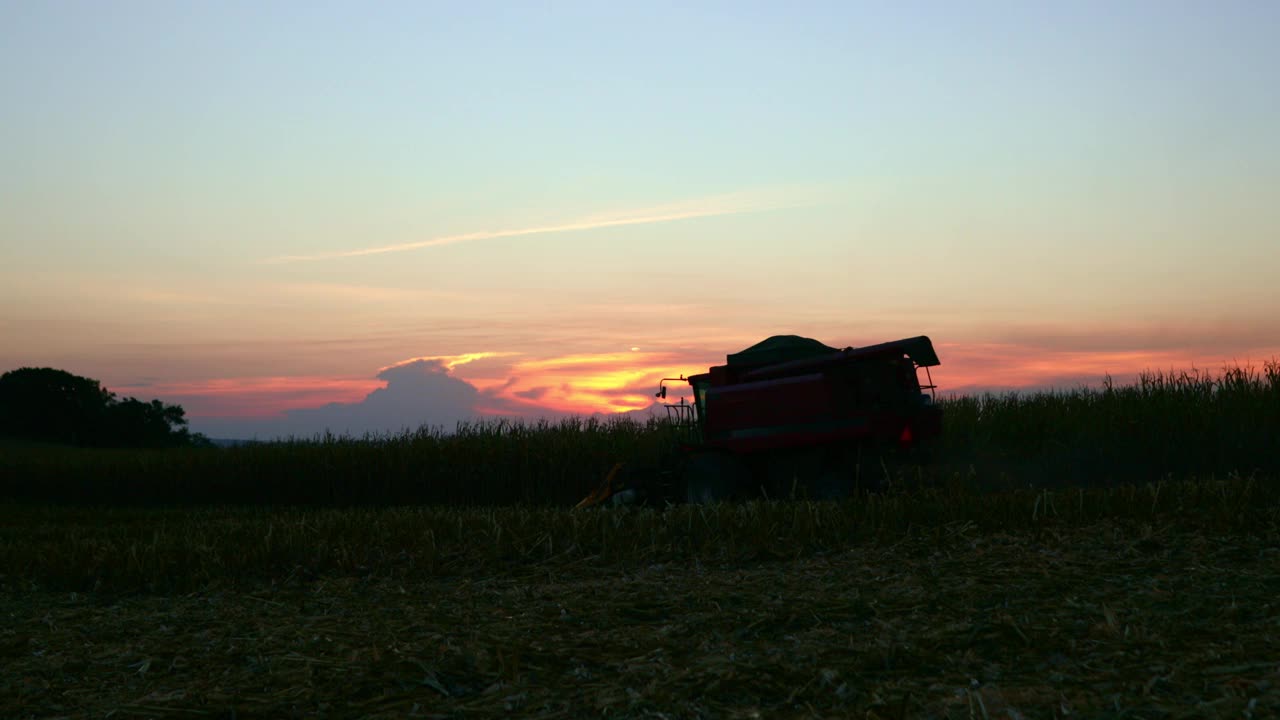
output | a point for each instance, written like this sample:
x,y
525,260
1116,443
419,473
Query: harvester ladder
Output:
x,y
929,384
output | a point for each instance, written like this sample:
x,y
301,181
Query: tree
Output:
x,y
133,423
52,406
48,405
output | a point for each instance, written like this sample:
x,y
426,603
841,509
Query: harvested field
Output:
x,y
1147,613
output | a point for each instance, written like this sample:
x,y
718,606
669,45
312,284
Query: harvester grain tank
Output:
x,y
791,417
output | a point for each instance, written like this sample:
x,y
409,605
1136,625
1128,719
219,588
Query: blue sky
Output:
x,y
1044,178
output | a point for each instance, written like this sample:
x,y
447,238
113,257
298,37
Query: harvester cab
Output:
x,y
683,416
791,415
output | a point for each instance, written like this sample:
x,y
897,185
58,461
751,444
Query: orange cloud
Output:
x,y
579,384
590,382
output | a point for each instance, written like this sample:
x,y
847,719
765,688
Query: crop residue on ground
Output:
x,y
1114,618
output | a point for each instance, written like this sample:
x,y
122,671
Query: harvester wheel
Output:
x,y
791,474
711,477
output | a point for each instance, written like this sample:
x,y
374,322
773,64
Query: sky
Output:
x,y
295,216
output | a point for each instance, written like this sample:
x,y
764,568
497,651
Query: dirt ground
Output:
x,y
1105,621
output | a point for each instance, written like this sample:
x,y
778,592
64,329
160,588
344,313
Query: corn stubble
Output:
x,y
1145,600
170,550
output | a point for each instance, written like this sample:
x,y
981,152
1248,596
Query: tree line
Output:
x,y
46,405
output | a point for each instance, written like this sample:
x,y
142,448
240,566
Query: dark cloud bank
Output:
x,y
419,393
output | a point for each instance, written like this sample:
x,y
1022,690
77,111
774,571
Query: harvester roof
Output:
x,y
795,350
779,349
919,349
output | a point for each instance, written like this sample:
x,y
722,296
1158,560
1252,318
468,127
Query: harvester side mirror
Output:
x,y
662,392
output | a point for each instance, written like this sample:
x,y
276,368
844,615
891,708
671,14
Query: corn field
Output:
x,y
1166,425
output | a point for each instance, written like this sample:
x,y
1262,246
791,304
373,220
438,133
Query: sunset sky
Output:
x,y
292,216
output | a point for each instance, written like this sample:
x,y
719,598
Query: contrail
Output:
x,y
721,205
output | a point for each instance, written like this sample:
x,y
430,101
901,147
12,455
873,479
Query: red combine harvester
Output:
x,y
790,417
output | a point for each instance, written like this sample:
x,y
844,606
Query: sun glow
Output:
x,y
589,382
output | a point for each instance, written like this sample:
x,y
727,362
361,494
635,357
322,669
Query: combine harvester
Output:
x,y
789,417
